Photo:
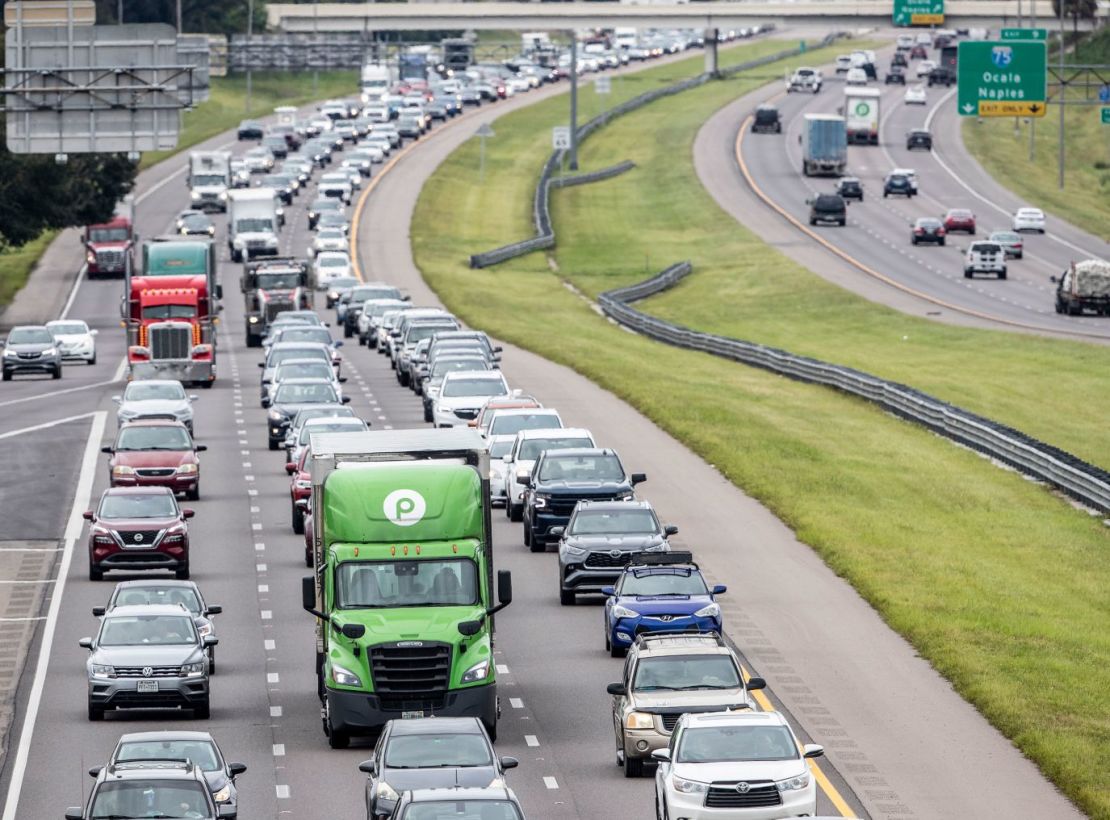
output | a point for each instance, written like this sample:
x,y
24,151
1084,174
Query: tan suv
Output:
x,y
666,676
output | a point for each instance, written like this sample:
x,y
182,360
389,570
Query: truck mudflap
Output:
x,y
199,373
361,713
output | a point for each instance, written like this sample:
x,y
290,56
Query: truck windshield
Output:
x,y
276,281
169,311
254,226
386,584
209,179
108,235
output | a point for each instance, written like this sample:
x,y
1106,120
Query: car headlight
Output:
x,y
276,416
541,500
183,413
332,294
344,677
628,495
386,792
710,611
639,720
204,630
102,670
187,469
222,196
684,786
50,351
238,243
193,670
10,354
194,194
574,551
223,795
793,783
624,612
477,672
122,469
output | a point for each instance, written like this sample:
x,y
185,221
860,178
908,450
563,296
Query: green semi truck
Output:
x,y
403,582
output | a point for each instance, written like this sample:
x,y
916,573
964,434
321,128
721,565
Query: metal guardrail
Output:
x,y
1064,471
593,176
541,207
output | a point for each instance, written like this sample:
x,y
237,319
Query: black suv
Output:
x,y
898,184
919,138
850,188
562,478
896,75
600,539
767,119
151,788
828,208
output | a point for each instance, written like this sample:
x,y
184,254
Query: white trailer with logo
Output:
x,y
861,113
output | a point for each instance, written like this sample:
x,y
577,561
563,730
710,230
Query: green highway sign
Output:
x,y
1040,34
1106,116
997,79
918,12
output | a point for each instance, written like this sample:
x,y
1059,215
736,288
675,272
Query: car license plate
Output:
x,y
145,686
409,715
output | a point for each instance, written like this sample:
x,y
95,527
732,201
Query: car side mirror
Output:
x,y
74,813
193,397
107,450
187,513
85,643
661,755
262,365
302,504
200,448
1052,279
353,631
368,766
509,763
638,478
719,589
211,640
88,515
346,399
338,344
237,769
342,379
809,201
755,683
670,529
98,611
607,590
557,532
811,750
616,689
213,609
524,479
266,401
469,628
498,349
95,771
117,399
507,458
290,467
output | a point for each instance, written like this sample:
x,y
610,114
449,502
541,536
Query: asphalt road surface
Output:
x,y
900,741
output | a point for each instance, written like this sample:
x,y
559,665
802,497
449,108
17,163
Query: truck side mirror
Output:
x,y
469,628
353,631
504,587
308,593
219,291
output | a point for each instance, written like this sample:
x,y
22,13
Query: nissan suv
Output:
x,y
665,677
562,478
600,539
151,788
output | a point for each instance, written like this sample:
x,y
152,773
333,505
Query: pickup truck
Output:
x,y
985,257
805,79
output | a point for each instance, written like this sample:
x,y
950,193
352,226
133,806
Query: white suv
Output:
x,y
735,765
463,393
985,257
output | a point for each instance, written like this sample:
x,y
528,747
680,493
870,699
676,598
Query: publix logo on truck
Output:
x,y
863,108
404,507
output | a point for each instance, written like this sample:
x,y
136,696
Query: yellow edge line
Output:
x,y
851,260
822,779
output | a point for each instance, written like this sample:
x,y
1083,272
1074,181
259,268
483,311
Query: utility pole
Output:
x,y
180,30
119,12
315,49
573,100
250,34
1061,101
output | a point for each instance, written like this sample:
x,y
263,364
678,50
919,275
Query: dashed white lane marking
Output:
x,y
259,546
551,782
247,465
256,527
252,493
266,614
502,669
269,644
248,478
531,740
260,567
516,703
275,711
273,677
282,791
279,750
263,587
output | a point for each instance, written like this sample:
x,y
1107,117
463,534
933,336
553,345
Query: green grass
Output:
x,y
16,265
1000,585
226,105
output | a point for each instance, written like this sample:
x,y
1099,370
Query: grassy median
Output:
x,y
994,580
16,265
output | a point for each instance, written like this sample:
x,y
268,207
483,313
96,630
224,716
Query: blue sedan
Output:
x,y
660,593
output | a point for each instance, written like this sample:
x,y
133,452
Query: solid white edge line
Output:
x,y
45,425
72,532
73,291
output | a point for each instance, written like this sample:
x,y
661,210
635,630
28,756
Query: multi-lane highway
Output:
x,y
873,255
900,742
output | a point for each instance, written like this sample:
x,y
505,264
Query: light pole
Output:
x,y
119,12
250,33
1063,93
179,28
315,50
573,100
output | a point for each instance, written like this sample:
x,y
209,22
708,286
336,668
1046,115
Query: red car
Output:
x,y
155,453
919,52
136,528
300,488
959,219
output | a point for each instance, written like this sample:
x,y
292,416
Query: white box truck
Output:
x,y
252,223
861,113
209,179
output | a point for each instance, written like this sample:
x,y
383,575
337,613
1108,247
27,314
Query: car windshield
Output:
x,y
672,582
200,752
1000,236
474,387
686,672
307,334
347,426
386,584
420,332
68,328
330,233
462,810
142,630
108,235
444,366
169,311
276,357
721,744
156,594
928,223
500,448
337,411
437,750
163,437
614,522
333,262
325,205
154,798
30,336
304,394
274,281
581,468
511,424
138,506
153,391
195,221
303,370
530,449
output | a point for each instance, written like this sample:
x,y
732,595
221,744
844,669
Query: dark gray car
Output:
x,y
31,349
430,753
598,541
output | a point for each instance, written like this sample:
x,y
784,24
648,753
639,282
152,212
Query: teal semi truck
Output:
x,y
403,580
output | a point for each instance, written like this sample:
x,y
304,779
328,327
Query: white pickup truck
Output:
x,y
985,257
805,79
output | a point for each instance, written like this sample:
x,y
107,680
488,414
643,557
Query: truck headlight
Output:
x,y
639,720
793,783
204,630
275,416
540,501
194,194
711,611
222,196
102,670
477,672
344,677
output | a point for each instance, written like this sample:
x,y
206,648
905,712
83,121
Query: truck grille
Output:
x,y
760,793
274,308
109,259
171,341
156,672
410,674
603,560
669,721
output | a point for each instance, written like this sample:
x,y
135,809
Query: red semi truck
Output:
x,y
109,248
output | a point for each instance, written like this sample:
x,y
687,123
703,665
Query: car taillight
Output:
x,y
919,231
940,231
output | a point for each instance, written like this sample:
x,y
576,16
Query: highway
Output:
x,y
848,681
876,258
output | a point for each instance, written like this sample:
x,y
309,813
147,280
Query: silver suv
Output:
x,y
665,677
148,656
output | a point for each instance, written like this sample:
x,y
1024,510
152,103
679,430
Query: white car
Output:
x,y
75,341
259,160
378,142
303,369
155,398
713,753
856,76
843,63
924,39
330,265
329,239
376,112
527,447
352,166
925,67
463,393
499,447
915,95
511,420
1026,219
904,42
336,185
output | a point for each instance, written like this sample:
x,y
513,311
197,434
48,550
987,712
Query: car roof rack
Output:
x,y
662,558
153,763
705,635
